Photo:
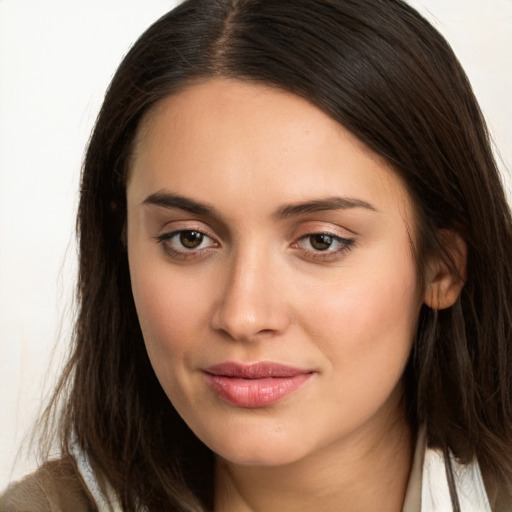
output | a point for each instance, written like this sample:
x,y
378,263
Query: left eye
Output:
x,y
323,242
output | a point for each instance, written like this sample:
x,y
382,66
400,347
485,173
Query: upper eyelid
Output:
x,y
323,232
341,239
331,229
191,226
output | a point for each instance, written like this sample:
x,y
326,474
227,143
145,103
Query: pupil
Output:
x,y
321,242
191,239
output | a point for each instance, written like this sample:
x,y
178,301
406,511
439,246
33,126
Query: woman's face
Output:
x,y
272,272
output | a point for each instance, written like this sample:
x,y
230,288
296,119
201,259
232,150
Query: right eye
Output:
x,y
185,242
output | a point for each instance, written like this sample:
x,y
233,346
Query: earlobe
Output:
x,y
446,273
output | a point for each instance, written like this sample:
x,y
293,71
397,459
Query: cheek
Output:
x,y
172,322
383,310
366,322
169,312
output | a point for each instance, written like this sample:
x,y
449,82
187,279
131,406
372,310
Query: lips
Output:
x,y
255,385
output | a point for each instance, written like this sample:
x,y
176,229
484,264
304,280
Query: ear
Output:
x,y
446,273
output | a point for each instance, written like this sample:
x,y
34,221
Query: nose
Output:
x,y
252,303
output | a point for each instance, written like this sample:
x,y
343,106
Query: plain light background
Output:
x,y
56,59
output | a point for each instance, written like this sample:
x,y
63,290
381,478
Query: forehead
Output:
x,y
238,142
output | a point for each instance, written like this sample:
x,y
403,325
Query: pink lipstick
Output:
x,y
255,385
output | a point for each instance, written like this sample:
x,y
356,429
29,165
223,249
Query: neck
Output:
x,y
365,471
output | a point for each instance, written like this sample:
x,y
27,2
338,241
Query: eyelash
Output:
x,y
345,244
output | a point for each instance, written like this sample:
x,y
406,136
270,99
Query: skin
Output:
x,y
256,289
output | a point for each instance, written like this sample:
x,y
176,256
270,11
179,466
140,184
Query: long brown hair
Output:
x,y
384,73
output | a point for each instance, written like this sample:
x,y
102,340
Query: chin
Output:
x,y
250,452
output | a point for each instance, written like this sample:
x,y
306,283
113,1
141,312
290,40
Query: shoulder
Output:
x,y
54,487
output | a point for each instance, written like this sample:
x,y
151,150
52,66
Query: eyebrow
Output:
x,y
320,205
170,200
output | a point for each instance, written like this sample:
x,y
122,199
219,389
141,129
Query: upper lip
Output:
x,y
258,370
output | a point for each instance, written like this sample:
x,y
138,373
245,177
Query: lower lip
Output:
x,y
254,393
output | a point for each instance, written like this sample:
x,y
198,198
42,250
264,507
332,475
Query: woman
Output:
x,y
294,280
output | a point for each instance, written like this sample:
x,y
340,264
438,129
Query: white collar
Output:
x,y
428,491
435,494
100,489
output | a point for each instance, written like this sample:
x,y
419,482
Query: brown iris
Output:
x,y
321,242
191,239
